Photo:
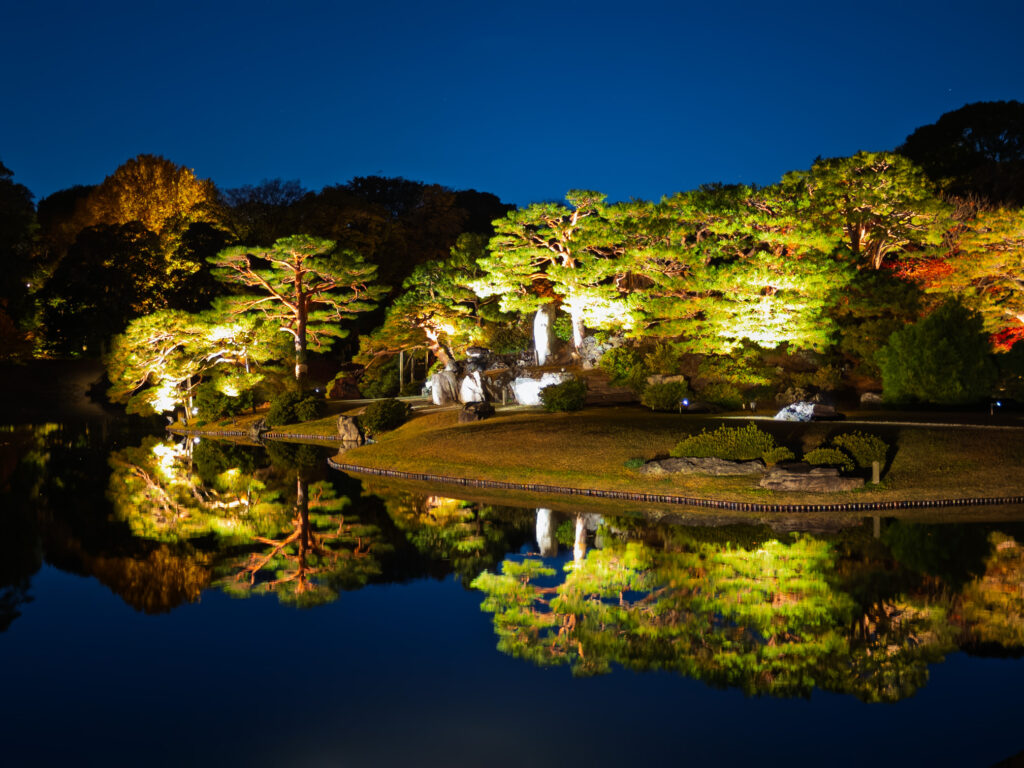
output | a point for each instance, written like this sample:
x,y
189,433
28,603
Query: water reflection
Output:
x,y
862,611
744,607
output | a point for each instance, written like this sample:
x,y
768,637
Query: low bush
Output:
x,y
634,463
723,395
775,455
384,415
734,443
310,408
665,396
626,367
829,457
862,448
214,404
567,396
282,409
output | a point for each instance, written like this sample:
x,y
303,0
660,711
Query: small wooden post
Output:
x,y
876,472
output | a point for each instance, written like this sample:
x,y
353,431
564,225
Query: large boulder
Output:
x,y
527,390
477,411
807,411
591,351
689,465
444,388
350,430
471,388
871,400
803,477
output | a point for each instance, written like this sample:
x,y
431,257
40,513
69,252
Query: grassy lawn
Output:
x,y
589,449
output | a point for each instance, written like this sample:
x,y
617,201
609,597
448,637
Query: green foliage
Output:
x,y
733,443
214,404
211,458
943,358
863,448
775,455
626,366
384,415
380,380
562,328
506,338
283,409
829,457
664,359
867,311
567,396
827,378
665,396
743,368
722,394
303,285
310,408
634,463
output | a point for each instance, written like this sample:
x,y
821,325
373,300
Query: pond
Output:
x,y
171,602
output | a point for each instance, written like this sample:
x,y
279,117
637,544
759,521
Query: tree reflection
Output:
x,y
321,554
468,536
766,615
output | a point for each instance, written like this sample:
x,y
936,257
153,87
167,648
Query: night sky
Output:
x,y
525,100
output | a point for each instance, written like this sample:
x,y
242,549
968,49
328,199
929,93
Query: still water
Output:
x,y
171,603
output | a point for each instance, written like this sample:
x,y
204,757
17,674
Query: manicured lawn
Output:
x,y
590,448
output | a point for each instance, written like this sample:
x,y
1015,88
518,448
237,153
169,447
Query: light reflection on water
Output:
x,y
411,592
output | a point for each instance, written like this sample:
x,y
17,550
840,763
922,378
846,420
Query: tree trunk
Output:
x,y
543,336
300,350
546,541
579,548
578,330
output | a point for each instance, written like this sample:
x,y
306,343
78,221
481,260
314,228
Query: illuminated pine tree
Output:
x,y
552,252
303,286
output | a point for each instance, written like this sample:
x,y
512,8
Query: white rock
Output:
x,y
527,391
796,412
443,389
471,390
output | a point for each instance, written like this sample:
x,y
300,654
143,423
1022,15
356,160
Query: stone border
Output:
x,y
661,498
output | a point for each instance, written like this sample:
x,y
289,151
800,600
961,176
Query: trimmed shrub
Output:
x,y
310,408
567,396
734,443
829,457
214,404
943,358
665,396
282,409
863,448
723,395
775,455
626,367
384,415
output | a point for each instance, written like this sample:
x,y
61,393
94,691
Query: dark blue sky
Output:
x,y
522,99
